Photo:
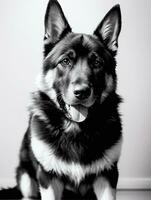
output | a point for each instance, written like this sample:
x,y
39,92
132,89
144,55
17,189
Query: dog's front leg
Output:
x,y
50,187
103,189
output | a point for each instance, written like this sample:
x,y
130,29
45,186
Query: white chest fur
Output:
x,y
46,156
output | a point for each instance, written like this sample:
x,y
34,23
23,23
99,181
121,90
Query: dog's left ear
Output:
x,y
109,28
56,25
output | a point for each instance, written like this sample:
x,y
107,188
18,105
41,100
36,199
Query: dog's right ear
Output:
x,y
110,27
56,25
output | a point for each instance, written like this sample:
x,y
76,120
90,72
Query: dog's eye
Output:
x,y
65,62
98,62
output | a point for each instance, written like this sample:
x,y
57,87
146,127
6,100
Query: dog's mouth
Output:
x,y
77,109
77,113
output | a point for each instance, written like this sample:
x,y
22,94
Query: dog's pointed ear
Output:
x,y
109,28
56,25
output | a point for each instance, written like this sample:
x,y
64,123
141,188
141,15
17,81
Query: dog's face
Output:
x,y
79,69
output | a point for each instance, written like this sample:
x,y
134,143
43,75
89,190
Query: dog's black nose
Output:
x,y
82,93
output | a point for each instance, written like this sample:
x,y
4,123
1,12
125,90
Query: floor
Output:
x,y
134,195
129,195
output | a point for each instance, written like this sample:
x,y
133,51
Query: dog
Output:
x,y
73,142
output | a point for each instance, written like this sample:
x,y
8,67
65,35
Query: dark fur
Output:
x,y
84,142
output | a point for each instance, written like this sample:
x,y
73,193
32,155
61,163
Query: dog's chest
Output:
x,y
46,156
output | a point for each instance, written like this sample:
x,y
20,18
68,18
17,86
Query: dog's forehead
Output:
x,y
81,43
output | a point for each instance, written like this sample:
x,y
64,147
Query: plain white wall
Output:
x,y
21,34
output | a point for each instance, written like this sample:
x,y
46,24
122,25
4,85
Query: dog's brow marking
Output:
x,y
45,155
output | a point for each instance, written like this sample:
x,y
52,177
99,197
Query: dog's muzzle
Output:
x,y
79,100
82,92
79,111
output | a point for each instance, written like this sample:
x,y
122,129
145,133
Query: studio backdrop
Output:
x,y
21,36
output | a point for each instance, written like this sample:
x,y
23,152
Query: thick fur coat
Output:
x,y
73,142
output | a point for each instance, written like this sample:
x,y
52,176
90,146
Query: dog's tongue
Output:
x,y
78,113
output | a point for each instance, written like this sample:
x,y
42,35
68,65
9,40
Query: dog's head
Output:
x,y
79,69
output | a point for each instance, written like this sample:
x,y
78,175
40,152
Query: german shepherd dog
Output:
x,y
73,142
